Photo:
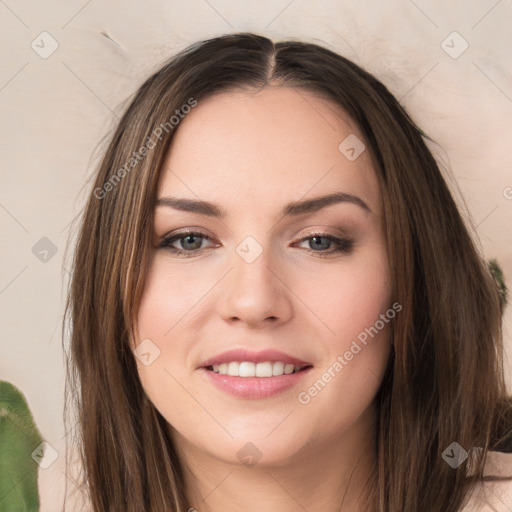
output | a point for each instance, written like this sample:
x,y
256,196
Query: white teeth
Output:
x,y
233,369
264,370
288,368
278,368
249,369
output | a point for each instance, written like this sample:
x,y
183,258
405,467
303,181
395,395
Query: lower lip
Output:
x,y
255,388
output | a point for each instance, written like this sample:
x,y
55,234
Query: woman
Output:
x,y
275,303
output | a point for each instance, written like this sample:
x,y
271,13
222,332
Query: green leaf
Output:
x,y
19,437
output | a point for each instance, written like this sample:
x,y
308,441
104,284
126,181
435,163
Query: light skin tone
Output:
x,y
251,153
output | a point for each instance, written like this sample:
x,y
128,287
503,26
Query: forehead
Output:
x,y
272,145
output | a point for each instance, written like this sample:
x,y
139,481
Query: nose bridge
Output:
x,y
252,262
256,290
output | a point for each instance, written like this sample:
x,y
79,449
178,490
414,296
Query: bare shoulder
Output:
x,y
493,496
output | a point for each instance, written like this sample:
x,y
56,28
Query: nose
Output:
x,y
256,293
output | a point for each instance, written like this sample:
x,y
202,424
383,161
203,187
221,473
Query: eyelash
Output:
x,y
345,245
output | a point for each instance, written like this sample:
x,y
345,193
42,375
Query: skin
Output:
x,y
251,153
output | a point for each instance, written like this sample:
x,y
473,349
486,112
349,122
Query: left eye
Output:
x,y
342,245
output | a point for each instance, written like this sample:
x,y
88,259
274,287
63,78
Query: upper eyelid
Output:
x,y
192,231
186,232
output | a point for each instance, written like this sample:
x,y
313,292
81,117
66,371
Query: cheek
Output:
x,y
161,307
168,299
351,298
171,300
367,295
357,307
355,304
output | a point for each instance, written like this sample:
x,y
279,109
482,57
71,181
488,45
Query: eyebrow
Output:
x,y
291,209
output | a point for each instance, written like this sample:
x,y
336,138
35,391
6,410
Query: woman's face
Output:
x,y
282,281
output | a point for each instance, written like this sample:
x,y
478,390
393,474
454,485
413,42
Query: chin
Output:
x,y
258,453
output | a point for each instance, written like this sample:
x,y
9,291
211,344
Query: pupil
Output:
x,y
188,239
318,239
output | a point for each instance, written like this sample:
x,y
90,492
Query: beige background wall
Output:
x,y
55,108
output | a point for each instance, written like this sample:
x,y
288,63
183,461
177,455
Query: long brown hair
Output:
x,y
444,381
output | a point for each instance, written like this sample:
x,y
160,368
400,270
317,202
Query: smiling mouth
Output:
x,y
249,369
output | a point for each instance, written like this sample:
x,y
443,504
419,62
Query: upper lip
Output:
x,y
254,357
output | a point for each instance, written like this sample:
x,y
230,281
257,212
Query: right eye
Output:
x,y
188,241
